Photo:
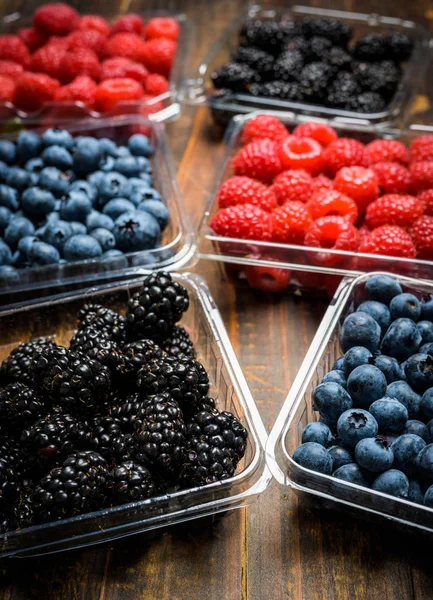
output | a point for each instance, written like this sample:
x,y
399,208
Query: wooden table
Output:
x,y
278,548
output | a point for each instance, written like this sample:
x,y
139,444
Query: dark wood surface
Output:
x,y
281,547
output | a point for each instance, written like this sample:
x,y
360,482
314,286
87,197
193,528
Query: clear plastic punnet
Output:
x,y
56,318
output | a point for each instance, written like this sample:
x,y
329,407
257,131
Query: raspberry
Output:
x,y
322,133
393,209
389,240
158,55
393,178
290,222
10,68
113,91
363,232
94,22
426,199
156,84
34,90
301,153
344,152
243,190
7,89
385,151
243,221
12,48
331,284
47,60
422,236
56,19
87,38
309,279
113,68
359,183
33,38
127,45
264,126
421,176
421,148
267,279
127,24
81,89
331,232
161,27
79,61
293,185
331,202
321,182
258,160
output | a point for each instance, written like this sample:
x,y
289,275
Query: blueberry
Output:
x,y
117,206
123,151
8,197
156,209
419,372
336,376
43,254
106,164
354,425
406,448
331,400
424,463
57,233
415,427
7,152
428,497
18,178
374,454
338,364
96,219
382,288
57,137
34,165
105,238
4,170
81,247
389,367
113,185
18,227
317,432
28,145
78,228
379,312
354,357
54,180
52,217
359,329
426,405
427,307
5,217
95,178
87,156
352,474
415,493
426,348
136,231
127,165
139,145
19,260
26,243
37,201
137,184
75,206
392,482
80,185
107,147
426,331
401,340
8,275
366,384
5,253
143,194
340,456
114,253
401,391
390,414
57,156
428,433
313,456
405,306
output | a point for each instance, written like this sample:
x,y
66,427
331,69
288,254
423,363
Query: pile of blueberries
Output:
x,y
376,404
65,198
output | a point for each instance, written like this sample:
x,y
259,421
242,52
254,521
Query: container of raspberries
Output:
x,y
356,428
314,61
63,64
122,410
95,199
302,195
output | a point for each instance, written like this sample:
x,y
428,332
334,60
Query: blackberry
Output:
x,y
382,77
185,378
98,345
19,365
135,355
205,403
314,80
288,66
260,61
78,486
320,48
342,89
278,89
234,76
159,304
300,43
6,524
108,440
179,343
103,319
19,406
215,443
337,31
400,46
367,102
131,482
23,511
11,472
72,380
160,435
268,35
128,411
339,59
371,47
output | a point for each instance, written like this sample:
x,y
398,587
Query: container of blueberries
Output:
x,y
335,64
356,428
93,200
123,410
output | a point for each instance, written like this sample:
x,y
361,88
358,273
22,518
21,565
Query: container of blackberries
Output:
x,y
317,62
86,201
357,426
121,410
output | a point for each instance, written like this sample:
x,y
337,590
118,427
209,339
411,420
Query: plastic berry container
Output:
x,y
223,108
177,244
242,252
297,411
56,317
